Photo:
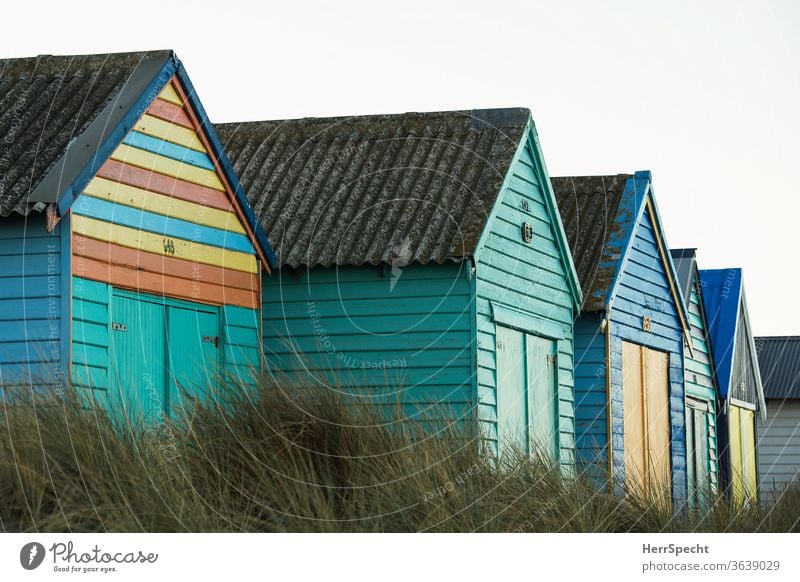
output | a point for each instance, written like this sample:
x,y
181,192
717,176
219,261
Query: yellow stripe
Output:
x,y
169,132
154,243
169,94
163,165
160,204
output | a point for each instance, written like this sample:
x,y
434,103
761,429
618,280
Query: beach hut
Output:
x,y
779,433
131,260
422,262
738,381
702,466
629,338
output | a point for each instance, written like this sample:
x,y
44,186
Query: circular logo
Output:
x,y
31,555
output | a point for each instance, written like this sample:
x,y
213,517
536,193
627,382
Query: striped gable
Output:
x,y
160,217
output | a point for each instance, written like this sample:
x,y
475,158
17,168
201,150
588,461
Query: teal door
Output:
x,y
527,407
697,452
193,349
543,402
161,351
138,375
512,390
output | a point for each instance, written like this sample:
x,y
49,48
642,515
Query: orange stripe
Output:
x,y
83,246
161,184
220,174
165,285
170,112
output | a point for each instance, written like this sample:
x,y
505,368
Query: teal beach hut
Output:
x,y
422,260
629,338
702,451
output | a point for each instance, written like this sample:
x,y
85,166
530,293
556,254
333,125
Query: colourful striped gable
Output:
x,y
158,216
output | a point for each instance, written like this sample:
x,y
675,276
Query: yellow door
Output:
x,y
646,436
657,397
743,454
735,451
633,416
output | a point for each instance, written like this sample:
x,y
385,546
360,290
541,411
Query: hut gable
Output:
x,y
732,342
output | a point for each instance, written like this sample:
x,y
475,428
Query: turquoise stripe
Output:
x,y
159,224
169,150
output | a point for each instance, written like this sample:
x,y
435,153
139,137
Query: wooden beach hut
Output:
x,y
629,338
738,381
702,457
422,260
131,261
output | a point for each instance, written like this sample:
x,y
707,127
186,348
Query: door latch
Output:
x,y
211,339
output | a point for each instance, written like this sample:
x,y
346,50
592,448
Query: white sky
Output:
x,y
704,94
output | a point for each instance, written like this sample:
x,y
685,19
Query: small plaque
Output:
x,y
119,326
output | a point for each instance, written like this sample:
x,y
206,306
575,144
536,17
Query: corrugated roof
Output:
x,y
590,209
415,187
779,362
46,104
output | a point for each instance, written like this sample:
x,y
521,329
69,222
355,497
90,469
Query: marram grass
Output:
x,y
290,459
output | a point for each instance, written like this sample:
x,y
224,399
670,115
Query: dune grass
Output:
x,y
303,460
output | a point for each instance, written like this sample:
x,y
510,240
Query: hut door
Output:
x,y
137,358
193,345
697,451
742,453
160,350
527,411
645,401
512,393
542,402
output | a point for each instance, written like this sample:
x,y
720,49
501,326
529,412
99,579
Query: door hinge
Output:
x,y
211,339
119,326
551,359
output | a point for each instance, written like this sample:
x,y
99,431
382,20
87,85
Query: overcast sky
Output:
x,y
704,94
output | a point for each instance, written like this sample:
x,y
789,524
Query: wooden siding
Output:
x,y
158,217
779,448
530,278
699,378
591,410
91,325
643,289
391,338
31,306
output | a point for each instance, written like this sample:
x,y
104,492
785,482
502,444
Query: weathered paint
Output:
x,y
31,307
643,287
